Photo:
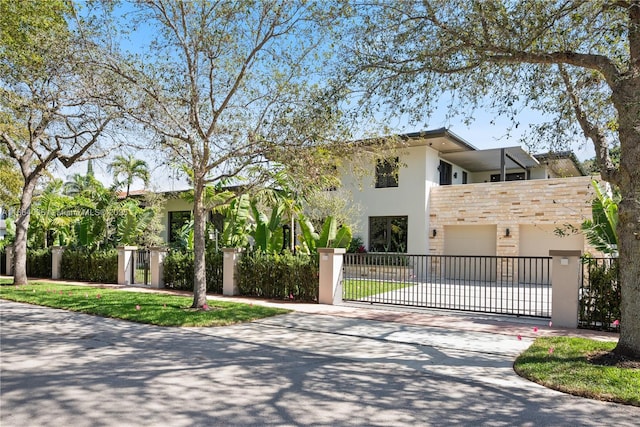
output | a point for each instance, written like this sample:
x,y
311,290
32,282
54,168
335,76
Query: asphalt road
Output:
x,y
67,369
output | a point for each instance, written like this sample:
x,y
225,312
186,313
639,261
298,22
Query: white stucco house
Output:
x,y
438,194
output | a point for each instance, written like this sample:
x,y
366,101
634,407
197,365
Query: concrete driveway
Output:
x,y
60,368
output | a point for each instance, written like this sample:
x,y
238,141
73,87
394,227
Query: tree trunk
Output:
x,y
22,228
628,229
199,246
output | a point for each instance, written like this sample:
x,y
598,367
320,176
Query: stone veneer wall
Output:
x,y
508,205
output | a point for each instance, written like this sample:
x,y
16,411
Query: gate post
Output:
x,y
230,259
565,287
156,266
126,262
9,258
56,261
331,260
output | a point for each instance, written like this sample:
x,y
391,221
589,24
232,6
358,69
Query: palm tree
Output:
x,y
131,168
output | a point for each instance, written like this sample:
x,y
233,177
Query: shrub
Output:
x,y
39,263
279,276
97,266
600,295
178,270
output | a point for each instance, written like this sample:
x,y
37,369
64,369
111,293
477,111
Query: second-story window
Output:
x,y
387,173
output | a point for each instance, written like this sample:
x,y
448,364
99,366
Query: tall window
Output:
x,y
387,173
445,173
177,220
388,233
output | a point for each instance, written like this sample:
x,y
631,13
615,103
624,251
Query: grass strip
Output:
x,y
142,307
355,289
563,363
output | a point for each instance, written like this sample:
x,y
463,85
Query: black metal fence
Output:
x,y
599,297
491,284
140,273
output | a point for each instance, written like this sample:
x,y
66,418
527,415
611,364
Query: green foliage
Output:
x,y
178,270
279,276
601,230
600,295
330,237
356,245
97,266
39,263
237,223
130,168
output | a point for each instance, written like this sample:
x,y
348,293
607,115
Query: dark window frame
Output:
x,y
387,171
176,218
388,233
446,173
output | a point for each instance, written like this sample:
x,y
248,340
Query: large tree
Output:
x,y
577,62
48,112
227,87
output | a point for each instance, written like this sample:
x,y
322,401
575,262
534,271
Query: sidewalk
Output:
x,y
445,319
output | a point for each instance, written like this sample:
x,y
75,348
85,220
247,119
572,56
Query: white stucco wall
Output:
x,y
172,205
418,173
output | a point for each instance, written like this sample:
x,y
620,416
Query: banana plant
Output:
x,y
268,234
601,230
237,223
330,237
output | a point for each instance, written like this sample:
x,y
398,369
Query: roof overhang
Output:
x,y
442,140
490,160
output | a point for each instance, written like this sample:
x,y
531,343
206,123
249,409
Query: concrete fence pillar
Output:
x,y
156,266
9,259
231,257
56,262
126,261
331,260
565,287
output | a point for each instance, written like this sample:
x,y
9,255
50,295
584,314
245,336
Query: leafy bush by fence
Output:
x,y
98,266
279,276
600,294
39,263
178,271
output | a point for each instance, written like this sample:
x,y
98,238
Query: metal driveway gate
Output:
x,y
490,284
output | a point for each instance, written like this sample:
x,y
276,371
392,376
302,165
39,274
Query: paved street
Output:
x,y
60,368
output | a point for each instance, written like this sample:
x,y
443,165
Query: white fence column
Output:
x,y
126,259
229,269
156,266
565,287
9,259
331,260
56,262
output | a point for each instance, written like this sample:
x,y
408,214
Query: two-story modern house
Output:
x,y
438,194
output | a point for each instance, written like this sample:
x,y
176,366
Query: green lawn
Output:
x,y
157,309
562,363
354,289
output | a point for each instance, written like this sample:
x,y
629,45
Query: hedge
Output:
x,y
279,276
178,271
39,263
98,266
